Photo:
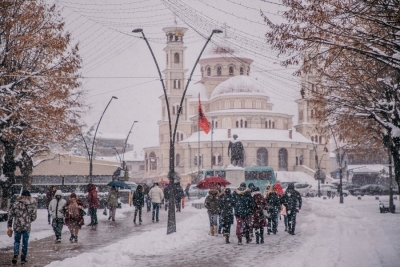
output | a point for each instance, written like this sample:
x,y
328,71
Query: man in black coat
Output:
x,y
243,204
292,201
179,194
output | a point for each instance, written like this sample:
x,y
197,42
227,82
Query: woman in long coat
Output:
x,y
226,210
259,221
274,207
73,212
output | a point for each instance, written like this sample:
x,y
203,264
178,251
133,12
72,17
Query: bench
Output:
x,y
384,207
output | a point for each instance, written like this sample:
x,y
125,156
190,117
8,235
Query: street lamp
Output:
x,y
119,157
212,133
126,141
171,226
94,138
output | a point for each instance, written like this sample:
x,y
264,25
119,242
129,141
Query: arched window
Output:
x,y
173,110
171,37
195,161
177,159
273,125
248,103
301,114
177,137
227,104
297,160
283,159
237,103
269,124
213,160
245,124
226,123
237,124
153,161
176,58
241,122
262,157
241,71
266,124
230,71
316,139
208,71
219,160
312,138
179,84
219,71
181,136
320,139
258,104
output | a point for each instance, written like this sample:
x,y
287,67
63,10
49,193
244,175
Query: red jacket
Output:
x,y
92,199
278,189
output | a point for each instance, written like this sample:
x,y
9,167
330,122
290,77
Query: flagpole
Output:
x,y
198,140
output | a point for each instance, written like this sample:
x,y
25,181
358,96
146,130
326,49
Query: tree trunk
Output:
x,y
9,167
171,225
26,168
396,162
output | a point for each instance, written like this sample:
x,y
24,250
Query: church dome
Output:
x,y
239,85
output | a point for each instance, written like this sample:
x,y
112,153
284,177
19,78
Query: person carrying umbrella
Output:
x,y
112,202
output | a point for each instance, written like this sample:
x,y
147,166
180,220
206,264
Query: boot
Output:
x,y
257,238
15,259
216,230
72,238
227,239
262,239
212,230
248,239
239,240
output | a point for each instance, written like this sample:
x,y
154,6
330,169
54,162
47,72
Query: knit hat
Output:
x,y
243,185
26,193
58,193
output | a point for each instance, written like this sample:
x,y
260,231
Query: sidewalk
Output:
x,y
45,251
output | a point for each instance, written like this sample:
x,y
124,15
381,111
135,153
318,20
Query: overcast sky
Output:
x,y
117,63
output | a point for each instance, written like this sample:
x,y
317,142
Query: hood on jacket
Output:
x,y
91,187
26,199
213,192
255,193
290,186
58,193
241,191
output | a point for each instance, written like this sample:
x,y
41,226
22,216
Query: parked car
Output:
x,y
331,190
372,189
350,188
304,189
196,192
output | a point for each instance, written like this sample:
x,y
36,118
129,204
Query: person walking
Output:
x,y
259,221
56,209
93,202
156,195
226,213
279,190
147,198
112,202
49,197
179,194
138,203
211,203
20,217
292,201
73,213
274,206
187,191
243,204
284,214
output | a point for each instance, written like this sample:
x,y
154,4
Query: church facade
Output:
x,y
235,104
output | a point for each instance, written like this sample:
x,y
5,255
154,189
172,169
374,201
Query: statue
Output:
x,y
236,149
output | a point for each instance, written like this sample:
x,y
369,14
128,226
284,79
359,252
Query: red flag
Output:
x,y
203,122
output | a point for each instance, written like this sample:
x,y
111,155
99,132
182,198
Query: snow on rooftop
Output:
x,y
198,88
241,84
249,134
111,136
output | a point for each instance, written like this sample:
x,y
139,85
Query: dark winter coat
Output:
x,y
260,204
179,194
274,203
212,202
226,208
76,221
112,198
92,199
166,193
242,202
291,199
23,212
138,197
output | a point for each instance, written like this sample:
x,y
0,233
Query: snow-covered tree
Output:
x,y
354,49
41,102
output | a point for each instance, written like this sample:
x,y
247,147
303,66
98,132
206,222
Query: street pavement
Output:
x,y
44,251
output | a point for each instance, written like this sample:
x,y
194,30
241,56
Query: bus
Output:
x,y
260,176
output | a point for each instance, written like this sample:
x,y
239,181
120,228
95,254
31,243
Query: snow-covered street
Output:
x,y
328,234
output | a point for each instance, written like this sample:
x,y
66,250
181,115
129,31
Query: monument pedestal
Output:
x,y
234,175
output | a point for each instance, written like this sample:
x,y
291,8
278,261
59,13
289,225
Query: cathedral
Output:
x,y
235,105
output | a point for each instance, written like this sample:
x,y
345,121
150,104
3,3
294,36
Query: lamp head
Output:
x,y
135,121
217,31
114,97
137,30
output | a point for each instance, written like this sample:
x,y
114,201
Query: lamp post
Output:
x,y
171,226
94,139
117,153
126,141
212,133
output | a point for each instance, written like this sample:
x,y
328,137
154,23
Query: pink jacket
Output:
x,y
283,210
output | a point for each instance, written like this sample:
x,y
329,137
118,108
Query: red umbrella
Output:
x,y
163,182
211,182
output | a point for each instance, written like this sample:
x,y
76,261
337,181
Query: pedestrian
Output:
x,y
243,204
138,203
93,202
49,197
279,190
112,202
292,201
212,205
226,213
179,194
187,190
147,198
20,217
284,214
56,209
274,206
156,195
259,222
73,213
